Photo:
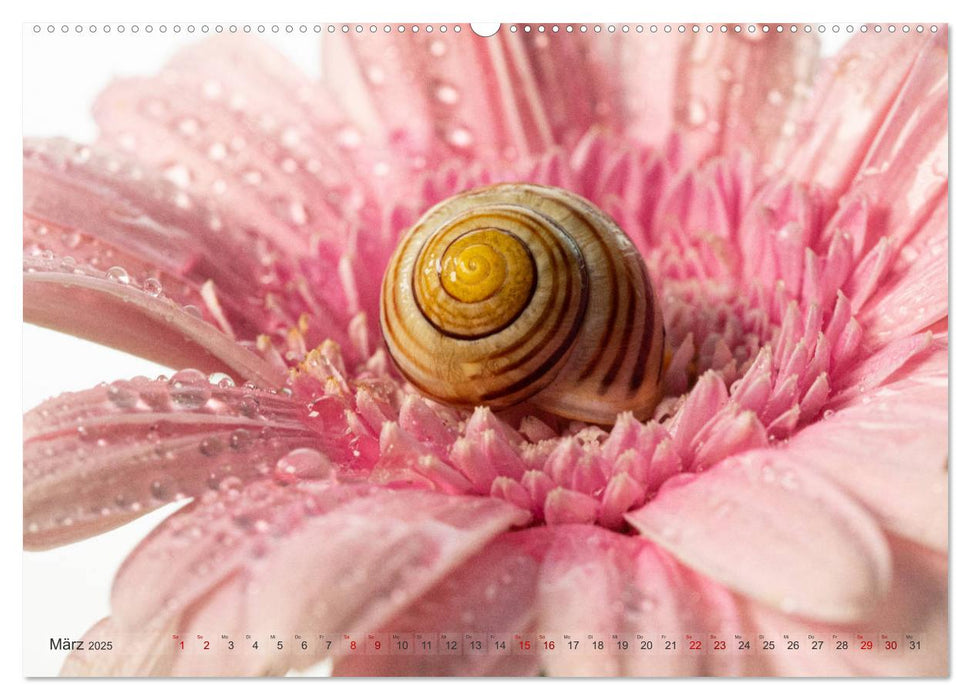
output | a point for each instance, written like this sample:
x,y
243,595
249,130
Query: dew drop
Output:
x,y
240,440
156,397
298,213
159,491
697,112
460,137
178,174
72,240
217,151
122,395
231,485
446,94
189,389
302,463
118,274
348,137
223,381
376,75
188,126
152,287
249,406
788,481
211,446
212,89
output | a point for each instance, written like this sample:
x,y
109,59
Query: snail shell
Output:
x,y
520,292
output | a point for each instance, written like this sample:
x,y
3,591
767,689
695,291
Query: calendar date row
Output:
x,y
544,643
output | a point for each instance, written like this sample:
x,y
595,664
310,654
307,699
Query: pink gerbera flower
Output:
x,y
235,218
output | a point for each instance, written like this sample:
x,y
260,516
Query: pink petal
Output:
x,y
905,169
764,525
492,592
452,95
598,582
914,294
875,368
125,317
103,211
242,129
916,605
722,92
888,448
242,125
851,103
565,506
96,459
356,556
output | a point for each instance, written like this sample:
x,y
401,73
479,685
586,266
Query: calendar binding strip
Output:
x,y
372,28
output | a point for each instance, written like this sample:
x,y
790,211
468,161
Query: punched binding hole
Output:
x,y
485,29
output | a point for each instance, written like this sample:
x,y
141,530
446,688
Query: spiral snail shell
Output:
x,y
519,292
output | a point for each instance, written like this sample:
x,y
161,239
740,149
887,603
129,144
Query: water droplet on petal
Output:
x,y
446,94
188,126
152,287
118,274
349,137
189,389
231,485
159,491
72,240
697,112
240,440
249,406
212,89
217,151
211,446
122,395
376,75
460,137
302,463
178,174
223,381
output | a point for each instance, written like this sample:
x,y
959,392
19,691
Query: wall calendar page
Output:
x,y
551,349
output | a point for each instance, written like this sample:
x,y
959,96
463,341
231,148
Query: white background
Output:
x,y
67,590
